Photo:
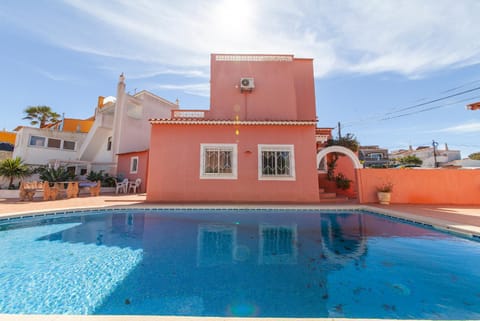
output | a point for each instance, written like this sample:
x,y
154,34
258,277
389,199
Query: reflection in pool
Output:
x,y
237,263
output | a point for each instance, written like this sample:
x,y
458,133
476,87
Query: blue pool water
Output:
x,y
237,263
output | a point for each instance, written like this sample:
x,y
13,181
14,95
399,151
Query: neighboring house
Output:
x,y
426,153
7,142
256,143
464,163
73,125
322,136
134,165
120,125
373,156
42,146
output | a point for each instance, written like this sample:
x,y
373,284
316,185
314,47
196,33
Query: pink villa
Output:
x,y
256,143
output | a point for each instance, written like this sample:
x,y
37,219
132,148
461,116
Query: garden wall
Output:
x,y
421,186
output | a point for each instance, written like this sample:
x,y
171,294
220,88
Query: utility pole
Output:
x,y
434,144
339,130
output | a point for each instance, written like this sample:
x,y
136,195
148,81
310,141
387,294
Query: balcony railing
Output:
x,y
188,114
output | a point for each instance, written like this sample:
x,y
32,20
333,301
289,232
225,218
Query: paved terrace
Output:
x,y
462,218
465,219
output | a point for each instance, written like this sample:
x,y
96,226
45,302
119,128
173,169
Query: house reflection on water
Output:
x,y
229,263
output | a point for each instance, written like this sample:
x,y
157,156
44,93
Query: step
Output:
x,y
321,190
328,195
340,199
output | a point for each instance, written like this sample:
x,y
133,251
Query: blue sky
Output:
x,y
378,63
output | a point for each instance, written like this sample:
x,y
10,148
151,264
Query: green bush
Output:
x,y
342,182
13,168
50,174
107,180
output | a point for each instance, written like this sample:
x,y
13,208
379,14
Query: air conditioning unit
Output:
x,y
246,84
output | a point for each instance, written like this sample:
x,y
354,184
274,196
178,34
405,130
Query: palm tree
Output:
x,y
13,168
41,115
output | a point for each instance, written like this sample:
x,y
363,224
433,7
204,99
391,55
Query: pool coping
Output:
x,y
469,231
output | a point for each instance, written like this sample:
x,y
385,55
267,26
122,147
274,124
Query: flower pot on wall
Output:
x,y
384,197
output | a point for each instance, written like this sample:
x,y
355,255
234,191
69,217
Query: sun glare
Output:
x,y
233,17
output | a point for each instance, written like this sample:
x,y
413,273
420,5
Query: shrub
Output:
x,y
50,174
385,188
107,180
342,182
13,168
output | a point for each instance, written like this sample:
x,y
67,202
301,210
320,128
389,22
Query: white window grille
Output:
x,y
218,161
215,244
278,244
134,165
276,162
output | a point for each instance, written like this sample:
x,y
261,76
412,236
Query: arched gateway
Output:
x,y
342,150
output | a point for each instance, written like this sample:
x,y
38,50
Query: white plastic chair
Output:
x,y
122,186
134,185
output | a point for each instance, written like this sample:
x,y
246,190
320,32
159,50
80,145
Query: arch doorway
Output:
x,y
342,150
348,169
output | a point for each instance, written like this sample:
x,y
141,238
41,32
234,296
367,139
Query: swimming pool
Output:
x,y
265,263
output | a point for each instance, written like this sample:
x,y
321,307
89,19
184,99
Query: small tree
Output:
x,y
475,156
41,115
13,168
410,160
348,141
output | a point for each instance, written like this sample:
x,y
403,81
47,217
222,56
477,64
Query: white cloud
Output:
x,y
407,37
470,127
202,89
192,73
52,76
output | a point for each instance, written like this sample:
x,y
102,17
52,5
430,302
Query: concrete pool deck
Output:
x,y
460,218
464,219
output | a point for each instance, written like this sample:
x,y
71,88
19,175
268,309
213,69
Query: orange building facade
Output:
x,y
256,143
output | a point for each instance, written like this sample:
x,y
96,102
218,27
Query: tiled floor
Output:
x,y
13,206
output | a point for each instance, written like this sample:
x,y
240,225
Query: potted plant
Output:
x,y
384,193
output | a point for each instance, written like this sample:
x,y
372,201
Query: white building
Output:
x,y
41,146
427,155
120,126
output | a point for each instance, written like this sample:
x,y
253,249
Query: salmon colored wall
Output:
x,y
174,168
279,88
422,186
123,167
305,88
344,166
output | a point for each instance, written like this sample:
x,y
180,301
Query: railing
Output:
x,y
188,114
374,159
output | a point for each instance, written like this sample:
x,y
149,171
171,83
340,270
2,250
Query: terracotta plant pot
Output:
x,y
384,197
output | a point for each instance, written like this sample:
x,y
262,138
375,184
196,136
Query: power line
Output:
x,y
434,100
397,110
429,108
414,112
